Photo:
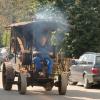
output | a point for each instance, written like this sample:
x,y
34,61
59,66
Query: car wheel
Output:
x,y
86,82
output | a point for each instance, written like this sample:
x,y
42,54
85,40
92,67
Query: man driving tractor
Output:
x,y
44,50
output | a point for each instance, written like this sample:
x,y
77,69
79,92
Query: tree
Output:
x,y
83,16
16,11
84,36
6,38
62,6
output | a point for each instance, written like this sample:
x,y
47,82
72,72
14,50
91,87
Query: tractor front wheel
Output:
x,y
62,83
22,83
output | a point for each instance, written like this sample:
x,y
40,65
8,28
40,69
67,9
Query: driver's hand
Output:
x,y
35,52
50,53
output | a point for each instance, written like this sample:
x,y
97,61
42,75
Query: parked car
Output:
x,y
86,70
3,56
6,59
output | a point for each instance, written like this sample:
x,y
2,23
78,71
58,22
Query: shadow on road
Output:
x,y
32,95
71,94
51,95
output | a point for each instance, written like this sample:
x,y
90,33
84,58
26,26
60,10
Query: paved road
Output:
x,y
38,93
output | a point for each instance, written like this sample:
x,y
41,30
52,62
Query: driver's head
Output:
x,y
44,40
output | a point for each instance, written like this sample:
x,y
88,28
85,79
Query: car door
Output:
x,y
75,71
78,69
82,66
85,67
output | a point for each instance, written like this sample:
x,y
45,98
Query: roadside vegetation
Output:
x,y
83,16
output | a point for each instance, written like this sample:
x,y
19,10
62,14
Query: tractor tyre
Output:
x,y
22,83
7,77
62,83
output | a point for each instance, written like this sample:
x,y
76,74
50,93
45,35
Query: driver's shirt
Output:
x,y
44,50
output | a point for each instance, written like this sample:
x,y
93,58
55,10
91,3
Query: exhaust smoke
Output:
x,y
55,28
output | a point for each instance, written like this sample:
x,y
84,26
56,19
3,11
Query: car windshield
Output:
x,y
98,60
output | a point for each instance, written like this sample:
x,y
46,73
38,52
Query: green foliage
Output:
x,y
16,11
6,38
85,35
84,18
